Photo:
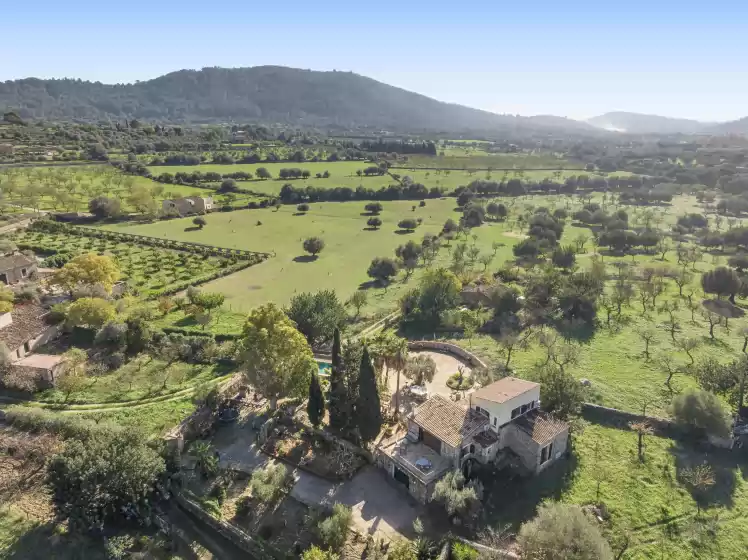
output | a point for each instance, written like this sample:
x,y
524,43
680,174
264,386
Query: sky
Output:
x,y
576,58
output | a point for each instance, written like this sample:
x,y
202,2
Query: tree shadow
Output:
x,y
299,214
726,466
191,228
404,231
305,258
524,494
368,228
369,284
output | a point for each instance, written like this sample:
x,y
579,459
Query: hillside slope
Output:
x,y
270,94
637,123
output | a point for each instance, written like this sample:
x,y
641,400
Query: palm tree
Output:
x,y
397,359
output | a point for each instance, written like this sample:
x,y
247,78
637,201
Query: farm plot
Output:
x,y
148,270
70,189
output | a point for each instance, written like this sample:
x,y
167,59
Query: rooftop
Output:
x,y
505,389
28,322
541,427
39,361
448,421
15,261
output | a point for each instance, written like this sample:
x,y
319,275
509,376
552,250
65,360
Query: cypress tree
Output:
x,y
315,407
368,407
339,406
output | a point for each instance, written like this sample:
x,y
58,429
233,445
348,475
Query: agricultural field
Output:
x,y
69,189
344,174
146,269
350,247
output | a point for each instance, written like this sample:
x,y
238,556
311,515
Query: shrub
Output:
x,y
408,224
334,530
316,553
268,483
200,221
244,506
701,412
459,497
302,208
374,222
459,382
562,531
461,551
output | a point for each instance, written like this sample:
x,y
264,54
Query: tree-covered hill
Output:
x,y
269,94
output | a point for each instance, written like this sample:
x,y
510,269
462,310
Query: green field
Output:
x,y
343,174
70,189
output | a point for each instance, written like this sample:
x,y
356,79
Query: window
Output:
x,y
482,411
546,453
516,412
23,272
494,420
525,408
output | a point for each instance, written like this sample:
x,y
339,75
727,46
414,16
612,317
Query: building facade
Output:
x,y
16,268
189,205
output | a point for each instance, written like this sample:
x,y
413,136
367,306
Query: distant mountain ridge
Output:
x,y
637,123
271,94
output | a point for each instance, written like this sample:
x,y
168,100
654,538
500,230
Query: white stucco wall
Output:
x,y
502,412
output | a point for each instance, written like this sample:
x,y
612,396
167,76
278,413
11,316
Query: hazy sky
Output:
x,y
572,58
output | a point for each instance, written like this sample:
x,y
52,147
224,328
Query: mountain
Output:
x,y
637,123
733,127
269,94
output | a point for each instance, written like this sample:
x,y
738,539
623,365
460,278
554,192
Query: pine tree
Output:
x,y
368,407
315,407
339,405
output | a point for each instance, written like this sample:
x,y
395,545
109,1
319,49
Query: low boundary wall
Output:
x,y
447,348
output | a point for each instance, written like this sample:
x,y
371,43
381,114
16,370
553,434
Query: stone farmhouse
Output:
x,y
189,205
502,422
16,268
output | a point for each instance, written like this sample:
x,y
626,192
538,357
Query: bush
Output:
x,y
244,506
200,222
268,483
316,553
459,497
459,382
562,531
302,208
373,208
701,413
334,530
408,224
461,551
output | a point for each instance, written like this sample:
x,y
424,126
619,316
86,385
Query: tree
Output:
x,y
108,476
368,406
642,429
316,553
728,379
713,319
87,270
647,335
681,279
7,298
408,224
262,173
315,407
90,312
564,257
374,223
562,531
382,269
200,221
105,207
314,245
699,480
409,254
438,292
302,208
459,497
721,281
471,320
420,369
560,392
701,413
317,315
510,339
373,208
276,358
228,185
340,407
358,300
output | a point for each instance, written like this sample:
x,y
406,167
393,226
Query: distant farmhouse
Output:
x,y
503,423
189,205
16,268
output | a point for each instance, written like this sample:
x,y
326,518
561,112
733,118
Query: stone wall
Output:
x,y
255,549
447,348
621,419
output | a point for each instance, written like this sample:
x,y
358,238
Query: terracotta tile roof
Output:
x,y
448,421
28,322
505,389
541,427
15,261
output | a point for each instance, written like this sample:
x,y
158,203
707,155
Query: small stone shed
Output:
x,y
16,268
